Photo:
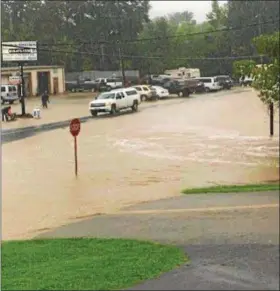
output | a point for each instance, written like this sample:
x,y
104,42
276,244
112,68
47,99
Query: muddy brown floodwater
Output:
x,y
219,138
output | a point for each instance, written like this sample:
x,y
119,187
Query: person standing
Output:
x,y
45,99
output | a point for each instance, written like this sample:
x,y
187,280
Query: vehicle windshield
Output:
x,y
98,80
12,89
106,96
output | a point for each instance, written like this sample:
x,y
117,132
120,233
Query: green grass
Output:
x,y
233,188
83,263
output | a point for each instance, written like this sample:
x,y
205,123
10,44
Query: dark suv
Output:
x,y
225,81
183,88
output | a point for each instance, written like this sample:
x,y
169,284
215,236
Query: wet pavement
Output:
x,y
60,108
232,239
219,138
223,267
22,133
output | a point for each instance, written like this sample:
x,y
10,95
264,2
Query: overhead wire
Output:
x,y
41,46
227,29
152,57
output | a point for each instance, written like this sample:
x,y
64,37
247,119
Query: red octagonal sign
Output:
x,y
75,126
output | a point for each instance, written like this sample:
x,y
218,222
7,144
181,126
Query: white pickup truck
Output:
x,y
115,100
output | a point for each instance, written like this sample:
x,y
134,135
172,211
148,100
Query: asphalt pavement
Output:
x,y
232,239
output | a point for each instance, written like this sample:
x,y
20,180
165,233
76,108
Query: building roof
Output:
x,y
30,68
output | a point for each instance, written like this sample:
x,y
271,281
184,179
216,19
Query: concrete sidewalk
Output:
x,y
231,239
185,219
61,108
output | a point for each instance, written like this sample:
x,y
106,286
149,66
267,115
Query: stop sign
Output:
x,y
75,126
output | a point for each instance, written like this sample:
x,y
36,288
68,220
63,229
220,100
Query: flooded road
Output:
x,y
219,138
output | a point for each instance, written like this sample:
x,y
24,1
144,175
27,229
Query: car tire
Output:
x,y
11,102
206,89
144,98
113,110
134,107
186,93
94,113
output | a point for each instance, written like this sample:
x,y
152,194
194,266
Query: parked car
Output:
x,y
181,87
199,88
161,92
225,81
9,94
246,81
109,83
115,100
146,92
210,83
73,86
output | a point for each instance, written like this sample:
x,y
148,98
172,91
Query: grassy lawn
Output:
x,y
84,263
234,188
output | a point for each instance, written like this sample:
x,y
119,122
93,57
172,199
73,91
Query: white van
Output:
x,y
9,93
210,83
115,100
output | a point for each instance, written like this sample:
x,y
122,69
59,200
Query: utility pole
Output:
x,y
121,60
22,95
102,60
260,31
122,66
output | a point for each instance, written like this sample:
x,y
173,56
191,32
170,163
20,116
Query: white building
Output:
x,y
184,73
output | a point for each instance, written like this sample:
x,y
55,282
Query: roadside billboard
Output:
x,y
19,51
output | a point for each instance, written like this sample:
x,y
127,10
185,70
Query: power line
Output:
x,y
143,56
228,29
151,57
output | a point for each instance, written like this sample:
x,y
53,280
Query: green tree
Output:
x,y
243,68
178,18
242,13
77,26
267,77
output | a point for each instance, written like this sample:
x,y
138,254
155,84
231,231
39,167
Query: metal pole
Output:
x,y
76,156
120,48
122,66
260,31
22,97
102,57
271,118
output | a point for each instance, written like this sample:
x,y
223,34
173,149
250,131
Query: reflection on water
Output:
x,y
133,158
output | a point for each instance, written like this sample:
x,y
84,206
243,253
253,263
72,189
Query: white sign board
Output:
x,y
19,51
14,79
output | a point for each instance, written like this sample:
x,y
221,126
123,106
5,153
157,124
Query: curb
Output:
x,y
47,126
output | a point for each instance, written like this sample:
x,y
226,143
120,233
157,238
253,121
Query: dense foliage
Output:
x,y
267,77
243,68
85,35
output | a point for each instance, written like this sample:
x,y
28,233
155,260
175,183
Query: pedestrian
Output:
x,y
45,99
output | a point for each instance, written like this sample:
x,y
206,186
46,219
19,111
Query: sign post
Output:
x,y
75,127
271,118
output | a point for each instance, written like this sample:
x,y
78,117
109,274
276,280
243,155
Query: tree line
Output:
x,y
95,35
